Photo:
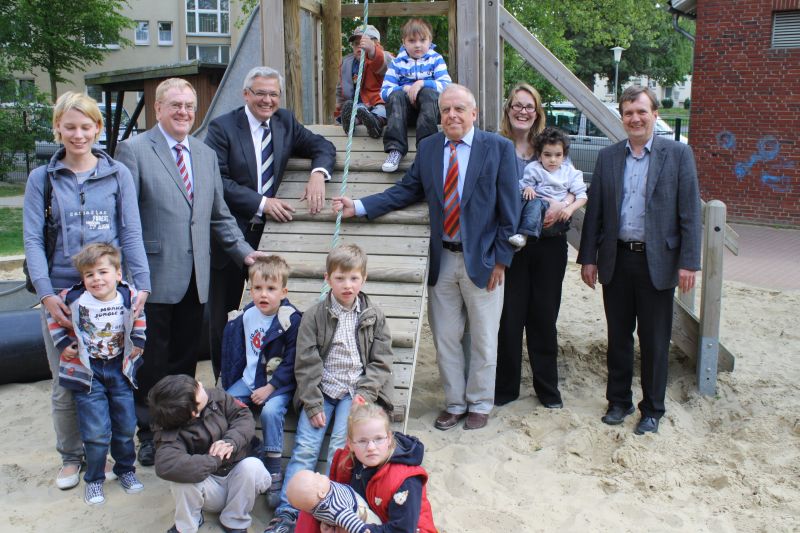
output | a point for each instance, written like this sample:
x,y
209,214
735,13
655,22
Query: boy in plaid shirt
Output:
x,y
344,352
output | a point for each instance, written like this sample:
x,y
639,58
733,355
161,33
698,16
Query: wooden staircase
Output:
x,y
397,246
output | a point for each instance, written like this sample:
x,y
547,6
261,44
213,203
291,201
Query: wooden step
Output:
x,y
371,161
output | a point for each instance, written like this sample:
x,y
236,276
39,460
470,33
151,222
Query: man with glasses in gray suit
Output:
x,y
181,204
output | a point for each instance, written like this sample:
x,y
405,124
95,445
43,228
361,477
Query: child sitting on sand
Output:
x,y
385,469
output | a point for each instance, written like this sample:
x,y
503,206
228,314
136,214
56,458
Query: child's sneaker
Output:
x,y
392,161
94,493
372,123
518,240
274,490
347,110
130,484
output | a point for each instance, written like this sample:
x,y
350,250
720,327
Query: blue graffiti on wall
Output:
x,y
768,149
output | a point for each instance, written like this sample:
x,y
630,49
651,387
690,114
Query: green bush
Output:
x,y
687,104
667,103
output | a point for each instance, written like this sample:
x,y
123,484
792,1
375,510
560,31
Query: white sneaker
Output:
x,y
392,161
66,478
94,493
519,240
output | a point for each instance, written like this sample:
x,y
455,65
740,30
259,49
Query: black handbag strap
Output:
x,y
49,248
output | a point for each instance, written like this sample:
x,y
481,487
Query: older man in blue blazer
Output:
x,y
641,235
253,144
181,204
468,178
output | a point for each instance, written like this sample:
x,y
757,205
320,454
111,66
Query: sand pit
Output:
x,y
723,464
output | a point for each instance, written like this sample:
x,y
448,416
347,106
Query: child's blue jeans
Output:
x,y
308,443
273,413
106,416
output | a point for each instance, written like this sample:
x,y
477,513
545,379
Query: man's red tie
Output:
x,y
184,172
452,202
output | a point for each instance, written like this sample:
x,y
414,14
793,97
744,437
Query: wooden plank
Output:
x,y
357,228
293,97
396,9
409,215
396,245
366,144
491,75
272,50
711,300
452,38
312,6
360,176
686,334
370,161
355,190
332,54
406,269
332,131
468,61
392,306
373,288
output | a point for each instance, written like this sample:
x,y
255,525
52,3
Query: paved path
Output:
x,y
11,201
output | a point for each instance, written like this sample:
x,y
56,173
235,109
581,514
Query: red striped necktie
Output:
x,y
184,172
452,202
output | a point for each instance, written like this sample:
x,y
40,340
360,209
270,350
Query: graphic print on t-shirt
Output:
x,y
102,326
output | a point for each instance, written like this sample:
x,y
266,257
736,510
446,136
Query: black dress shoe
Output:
x,y
147,453
553,405
616,414
647,424
227,529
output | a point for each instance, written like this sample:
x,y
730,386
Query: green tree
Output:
x,y
581,32
59,36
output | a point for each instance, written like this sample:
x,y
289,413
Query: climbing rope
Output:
x,y
343,188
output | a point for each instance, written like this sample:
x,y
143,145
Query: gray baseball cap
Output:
x,y
370,31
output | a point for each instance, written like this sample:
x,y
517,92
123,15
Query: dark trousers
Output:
x,y
631,299
172,344
399,112
225,295
532,301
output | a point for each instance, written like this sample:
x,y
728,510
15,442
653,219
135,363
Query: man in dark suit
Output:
x,y
180,200
641,235
253,144
468,178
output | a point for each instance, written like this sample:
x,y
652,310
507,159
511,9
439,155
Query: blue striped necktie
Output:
x,y
267,181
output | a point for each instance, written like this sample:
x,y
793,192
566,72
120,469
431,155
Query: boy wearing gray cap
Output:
x,y
370,109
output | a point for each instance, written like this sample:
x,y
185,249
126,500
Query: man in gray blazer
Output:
x,y
181,204
641,235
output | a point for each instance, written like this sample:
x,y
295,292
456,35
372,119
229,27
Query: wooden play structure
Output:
x,y
302,39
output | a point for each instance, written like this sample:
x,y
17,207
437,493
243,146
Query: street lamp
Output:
x,y
617,56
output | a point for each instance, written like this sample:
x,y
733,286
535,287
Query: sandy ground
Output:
x,y
722,464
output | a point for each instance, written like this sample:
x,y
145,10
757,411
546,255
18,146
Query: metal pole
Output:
x,y
616,80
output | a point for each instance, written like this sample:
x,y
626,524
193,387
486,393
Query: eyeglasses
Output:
x,y
177,106
264,94
527,108
364,443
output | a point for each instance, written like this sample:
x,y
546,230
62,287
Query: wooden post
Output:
x,y
491,76
291,36
332,55
469,58
452,38
711,300
273,53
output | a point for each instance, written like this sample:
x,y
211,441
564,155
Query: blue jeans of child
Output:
x,y
273,413
308,443
106,416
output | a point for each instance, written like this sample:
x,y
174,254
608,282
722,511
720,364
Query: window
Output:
x,y
208,17
97,93
164,33
142,33
96,42
209,53
786,29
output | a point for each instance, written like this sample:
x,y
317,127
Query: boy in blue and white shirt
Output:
x,y
411,90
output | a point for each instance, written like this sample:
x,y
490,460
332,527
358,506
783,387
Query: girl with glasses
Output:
x,y
382,467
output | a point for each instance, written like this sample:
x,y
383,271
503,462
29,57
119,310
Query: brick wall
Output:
x,y
745,127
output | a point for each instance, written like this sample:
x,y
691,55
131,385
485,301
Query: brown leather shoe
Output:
x,y
447,420
476,421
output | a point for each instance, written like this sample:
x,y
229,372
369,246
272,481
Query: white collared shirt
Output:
x,y
187,153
